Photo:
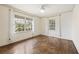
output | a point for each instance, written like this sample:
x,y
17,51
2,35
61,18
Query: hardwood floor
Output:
x,y
40,45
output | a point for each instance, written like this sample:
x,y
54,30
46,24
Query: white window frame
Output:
x,y
52,24
24,24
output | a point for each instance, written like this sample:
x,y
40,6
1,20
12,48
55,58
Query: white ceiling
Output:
x,y
50,9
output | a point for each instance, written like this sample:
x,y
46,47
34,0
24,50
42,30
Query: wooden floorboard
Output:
x,y
40,45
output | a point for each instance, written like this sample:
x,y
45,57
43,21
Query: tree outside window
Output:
x,y
22,24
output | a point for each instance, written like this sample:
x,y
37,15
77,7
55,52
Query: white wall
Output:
x,y
7,26
75,26
37,26
65,21
45,27
66,25
4,25
26,34
40,26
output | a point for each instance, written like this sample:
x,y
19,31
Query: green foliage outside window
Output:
x,y
22,24
19,27
28,26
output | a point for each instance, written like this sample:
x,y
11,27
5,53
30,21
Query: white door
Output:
x,y
54,27
66,25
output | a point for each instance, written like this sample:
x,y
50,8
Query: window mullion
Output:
x,y
24,23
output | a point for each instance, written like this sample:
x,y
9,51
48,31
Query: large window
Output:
x,y
22,23
19,23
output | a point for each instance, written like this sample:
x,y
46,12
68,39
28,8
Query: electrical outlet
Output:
x,y
9,39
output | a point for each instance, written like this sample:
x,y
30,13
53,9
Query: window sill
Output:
x,y
23,31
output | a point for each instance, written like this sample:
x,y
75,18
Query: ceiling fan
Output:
x,y
43,7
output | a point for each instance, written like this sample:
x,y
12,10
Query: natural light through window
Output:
x,y
23,24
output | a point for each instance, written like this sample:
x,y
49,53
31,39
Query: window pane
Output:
x,y
52,24
28,24
19,27
19,24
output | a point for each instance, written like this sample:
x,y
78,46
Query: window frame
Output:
x,y
52,24
24,24
28,19
17,22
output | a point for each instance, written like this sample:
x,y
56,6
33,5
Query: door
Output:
x,y
54,27
66,25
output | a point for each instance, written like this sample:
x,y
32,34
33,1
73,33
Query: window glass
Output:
x,y
19,23
28,24
51,24
23,24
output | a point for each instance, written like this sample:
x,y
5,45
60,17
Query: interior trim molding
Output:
x,y
22,40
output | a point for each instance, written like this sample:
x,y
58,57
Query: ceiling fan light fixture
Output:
x,y
42,10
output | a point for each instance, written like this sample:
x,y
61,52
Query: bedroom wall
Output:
x,y
40,26
7,27
4,25
66,25
75,26
45,27
26,34
65,21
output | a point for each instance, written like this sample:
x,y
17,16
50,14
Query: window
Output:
x,y
22,23
28,24
19,23
51,24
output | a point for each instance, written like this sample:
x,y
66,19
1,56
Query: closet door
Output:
x,y
4,25
66,25
53,27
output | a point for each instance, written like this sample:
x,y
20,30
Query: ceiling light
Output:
x,y
42,9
